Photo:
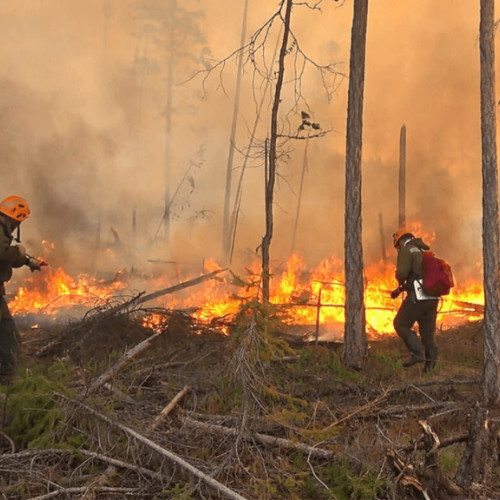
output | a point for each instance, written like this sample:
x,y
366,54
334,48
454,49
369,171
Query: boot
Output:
x,y
415,358
413,345
430,358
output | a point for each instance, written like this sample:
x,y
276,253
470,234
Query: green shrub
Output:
x,y
33,412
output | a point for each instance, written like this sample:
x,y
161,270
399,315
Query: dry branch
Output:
x,y
63,492
33,454
222,489
130,355
164,413
140,299
470,306
262,438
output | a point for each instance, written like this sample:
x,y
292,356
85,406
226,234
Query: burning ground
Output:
x,y
197,395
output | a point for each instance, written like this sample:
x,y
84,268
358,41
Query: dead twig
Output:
x,y
86,489
262,438
165,412
119,365
221,488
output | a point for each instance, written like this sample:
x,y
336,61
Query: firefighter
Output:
x,y
13,211
417,307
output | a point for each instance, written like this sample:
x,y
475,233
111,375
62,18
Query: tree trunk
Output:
x,y
402,178
355,348
168,121
481,453
491,365
299,200
382,238
226,225
272,160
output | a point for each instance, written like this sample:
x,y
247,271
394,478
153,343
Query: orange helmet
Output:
x,y
396,237
15,207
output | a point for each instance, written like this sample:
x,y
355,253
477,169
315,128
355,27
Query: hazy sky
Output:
x,y
82,103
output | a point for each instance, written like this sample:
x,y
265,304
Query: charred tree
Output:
x,y
402,178
491,365
226,223
355,346
272,157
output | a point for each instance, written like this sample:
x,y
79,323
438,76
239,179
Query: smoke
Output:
x,y
83,122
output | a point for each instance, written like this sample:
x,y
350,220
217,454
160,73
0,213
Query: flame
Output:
x,y
49,290
310,297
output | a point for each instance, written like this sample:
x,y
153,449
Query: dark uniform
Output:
x,y
13,211
417,307
10,257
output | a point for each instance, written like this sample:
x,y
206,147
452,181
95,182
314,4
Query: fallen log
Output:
x,y
262,438
141,298
130,355
221,488
164,413
470,306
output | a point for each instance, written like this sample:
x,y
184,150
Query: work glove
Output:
x,y
35,264
395,293
22,250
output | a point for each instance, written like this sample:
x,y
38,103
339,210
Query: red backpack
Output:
x,y
438,278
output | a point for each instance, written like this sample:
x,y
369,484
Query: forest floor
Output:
x,y
252,415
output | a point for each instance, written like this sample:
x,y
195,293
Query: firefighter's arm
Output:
x,y
15,254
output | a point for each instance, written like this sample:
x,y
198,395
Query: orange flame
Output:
x,y
311,297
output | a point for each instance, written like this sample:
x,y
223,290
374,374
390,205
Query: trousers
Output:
x,y
422,312
9,340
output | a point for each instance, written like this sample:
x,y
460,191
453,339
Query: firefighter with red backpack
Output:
x,y
418,306
13,211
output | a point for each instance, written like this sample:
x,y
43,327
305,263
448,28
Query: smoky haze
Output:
x,y
83,120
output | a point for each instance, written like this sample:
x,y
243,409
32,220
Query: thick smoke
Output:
x,y
82,131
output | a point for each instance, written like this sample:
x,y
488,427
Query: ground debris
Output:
x,y
240,416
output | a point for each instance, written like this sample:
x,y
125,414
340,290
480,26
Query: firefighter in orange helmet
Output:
x,y
417,307
13,211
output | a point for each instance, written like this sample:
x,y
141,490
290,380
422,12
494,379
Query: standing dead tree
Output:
x,y
226,224
272,158
402,178
256,56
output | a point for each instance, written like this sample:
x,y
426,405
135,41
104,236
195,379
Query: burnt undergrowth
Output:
x,y
252,414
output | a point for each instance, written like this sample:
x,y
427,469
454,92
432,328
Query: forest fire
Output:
x,y
49,291
309,297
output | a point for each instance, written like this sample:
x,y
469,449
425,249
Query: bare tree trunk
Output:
x,y
402,177
239,189
271,177
168,121
299,201
382,238
491,365
355,346
226,226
